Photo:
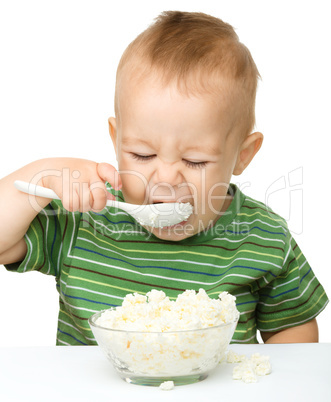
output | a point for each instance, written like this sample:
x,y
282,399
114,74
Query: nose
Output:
x,y
166,176
168,172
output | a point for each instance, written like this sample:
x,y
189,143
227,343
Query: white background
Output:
x,y
57,72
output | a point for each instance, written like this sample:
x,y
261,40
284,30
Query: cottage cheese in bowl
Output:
x,y
151,339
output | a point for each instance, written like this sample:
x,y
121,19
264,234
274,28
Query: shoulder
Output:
x,y
259,215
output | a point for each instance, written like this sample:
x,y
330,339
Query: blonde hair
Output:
x,y
197,51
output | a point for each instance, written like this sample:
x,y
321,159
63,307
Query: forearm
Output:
x,y
79,183
305,333
16,208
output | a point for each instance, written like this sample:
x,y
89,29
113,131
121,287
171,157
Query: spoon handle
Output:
x,y
40,191
32,189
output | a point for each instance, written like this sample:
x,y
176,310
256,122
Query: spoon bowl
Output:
x,y
152,215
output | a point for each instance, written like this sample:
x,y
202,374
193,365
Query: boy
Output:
x,y
184,105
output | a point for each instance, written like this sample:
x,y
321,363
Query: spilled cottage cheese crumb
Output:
x,y
167,385
249,368
233,357
177,350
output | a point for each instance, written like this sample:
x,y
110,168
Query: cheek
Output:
x,y
212,192
134,183
217,196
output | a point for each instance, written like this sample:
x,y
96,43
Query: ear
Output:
x,y
248,150
113,131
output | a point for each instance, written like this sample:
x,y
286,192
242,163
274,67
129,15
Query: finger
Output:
x,y
85,198
98,196
108,173
71,201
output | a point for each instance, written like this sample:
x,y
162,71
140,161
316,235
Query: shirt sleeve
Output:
x,y
293,297
47,240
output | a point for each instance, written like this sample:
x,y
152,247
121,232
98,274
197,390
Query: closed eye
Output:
x,y
191,164
142,158
195,165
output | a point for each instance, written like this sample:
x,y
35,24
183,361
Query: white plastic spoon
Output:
x,y
154,215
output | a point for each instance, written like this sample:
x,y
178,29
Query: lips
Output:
x,y
160,201
169,201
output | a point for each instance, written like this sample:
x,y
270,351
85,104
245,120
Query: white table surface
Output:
x,y
301,372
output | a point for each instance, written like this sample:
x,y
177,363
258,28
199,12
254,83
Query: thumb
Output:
x,y
108,173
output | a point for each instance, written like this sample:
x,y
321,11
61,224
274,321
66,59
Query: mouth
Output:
x,y
182,211
181,200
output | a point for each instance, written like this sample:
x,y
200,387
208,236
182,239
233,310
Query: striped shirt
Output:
x,y
97,258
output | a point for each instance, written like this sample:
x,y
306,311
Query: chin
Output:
x,y
173,233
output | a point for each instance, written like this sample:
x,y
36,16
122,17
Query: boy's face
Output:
x,y
175,148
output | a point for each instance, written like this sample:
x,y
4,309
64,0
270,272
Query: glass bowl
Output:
x,y
150,358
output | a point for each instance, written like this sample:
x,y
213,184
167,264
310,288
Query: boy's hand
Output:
x,y
80,183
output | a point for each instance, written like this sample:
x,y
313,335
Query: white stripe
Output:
x,y
245,238
64,343
303,265
75,328
58,268
239,276
245,340
98,224
120,212
283,284
265,280
288,252
90,291
72,235
243,294
70,325
46,239
28,259
258,220
248,311
58,260
77,308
